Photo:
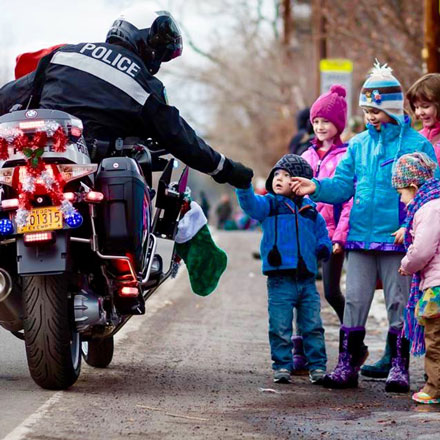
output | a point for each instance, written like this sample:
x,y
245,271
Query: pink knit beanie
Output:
x,y
331,106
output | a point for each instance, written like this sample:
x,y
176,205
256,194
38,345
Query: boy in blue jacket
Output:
x,y
294,237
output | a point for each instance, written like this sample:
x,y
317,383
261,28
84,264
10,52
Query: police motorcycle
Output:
x,y
77,240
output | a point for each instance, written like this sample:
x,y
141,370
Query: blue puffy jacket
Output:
x,y
365,173
313,235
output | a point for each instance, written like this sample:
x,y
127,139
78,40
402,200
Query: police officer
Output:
x,y
110,86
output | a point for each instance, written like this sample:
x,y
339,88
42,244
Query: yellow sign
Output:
x,y
43,219
336,65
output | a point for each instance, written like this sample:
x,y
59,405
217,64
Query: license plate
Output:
x,y
43,219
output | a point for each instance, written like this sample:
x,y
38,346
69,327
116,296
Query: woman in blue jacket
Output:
x,y
376,226
294,237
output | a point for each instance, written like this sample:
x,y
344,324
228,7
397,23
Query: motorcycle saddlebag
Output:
x,y
124,216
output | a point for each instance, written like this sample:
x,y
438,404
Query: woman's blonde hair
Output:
x,y
426,88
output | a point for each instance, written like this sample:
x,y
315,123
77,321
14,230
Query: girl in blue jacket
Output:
x,y
376,226
294,237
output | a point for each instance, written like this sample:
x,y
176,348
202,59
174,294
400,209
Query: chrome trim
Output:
x,y
81,240
153,250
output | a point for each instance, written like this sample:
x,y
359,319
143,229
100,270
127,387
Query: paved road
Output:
x,y
199,368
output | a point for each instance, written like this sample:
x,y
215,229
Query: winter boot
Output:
x,y
381,368
352,354
398,377
299,358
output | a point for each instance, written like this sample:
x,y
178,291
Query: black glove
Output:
x,y
236,174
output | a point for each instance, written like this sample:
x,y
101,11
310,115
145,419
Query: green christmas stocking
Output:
x,y
204,260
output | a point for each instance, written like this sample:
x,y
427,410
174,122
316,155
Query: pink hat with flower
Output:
x,y
332,106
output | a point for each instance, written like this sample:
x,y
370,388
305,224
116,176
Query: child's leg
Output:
x,y
361,284
396,290
432,357
282,296
395,286
331,277
309,320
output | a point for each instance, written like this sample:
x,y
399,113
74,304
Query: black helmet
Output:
x,y
154,36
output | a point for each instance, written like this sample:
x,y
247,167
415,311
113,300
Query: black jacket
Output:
x,y
112,92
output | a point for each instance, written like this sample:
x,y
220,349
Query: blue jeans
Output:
x,y
284,294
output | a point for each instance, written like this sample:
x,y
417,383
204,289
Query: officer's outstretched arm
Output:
x,y
175,134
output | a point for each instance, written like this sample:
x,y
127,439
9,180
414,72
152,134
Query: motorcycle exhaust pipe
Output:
x,y
5,284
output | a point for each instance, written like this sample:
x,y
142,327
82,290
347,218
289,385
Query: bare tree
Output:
x,y
255,79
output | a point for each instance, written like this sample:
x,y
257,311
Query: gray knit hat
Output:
x,y
295,165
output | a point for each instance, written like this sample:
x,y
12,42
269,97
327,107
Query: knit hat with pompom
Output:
x,y
382,90
331,106
413,169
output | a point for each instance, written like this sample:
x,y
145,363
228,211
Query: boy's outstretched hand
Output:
x,y
302,186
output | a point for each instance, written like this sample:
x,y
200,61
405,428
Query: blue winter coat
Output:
x,y
313,235
365,173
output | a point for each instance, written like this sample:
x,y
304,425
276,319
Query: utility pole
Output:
x,y
431,51
287,22
320,32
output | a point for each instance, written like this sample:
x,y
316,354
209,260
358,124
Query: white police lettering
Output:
x,y
121,66
102,53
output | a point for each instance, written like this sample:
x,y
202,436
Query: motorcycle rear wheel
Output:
x,y
53,346
98,353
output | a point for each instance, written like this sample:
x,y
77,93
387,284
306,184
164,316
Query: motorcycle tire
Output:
x,y
53,346
98,353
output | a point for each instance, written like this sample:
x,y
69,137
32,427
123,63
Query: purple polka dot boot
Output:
x,y
298,357
352,354
398,377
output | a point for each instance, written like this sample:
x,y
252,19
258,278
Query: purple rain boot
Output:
x,y
298,357
352,354
398,377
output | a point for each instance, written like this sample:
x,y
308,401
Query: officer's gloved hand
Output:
x,y
236,174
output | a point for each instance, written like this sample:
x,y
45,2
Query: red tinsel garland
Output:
x,y
4,154
33,149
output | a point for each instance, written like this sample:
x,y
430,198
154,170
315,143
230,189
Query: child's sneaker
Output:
x,y
422,397
317,376
281,376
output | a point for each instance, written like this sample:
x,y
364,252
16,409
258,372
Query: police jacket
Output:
x,y
109,88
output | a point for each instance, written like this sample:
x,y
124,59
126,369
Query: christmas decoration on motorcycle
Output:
x,y
204,260
37,178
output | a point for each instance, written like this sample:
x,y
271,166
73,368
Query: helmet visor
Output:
x,y
166,37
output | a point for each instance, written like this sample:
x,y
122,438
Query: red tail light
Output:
x,y
129,291
70,196
76,131
9,204
94,197
39,237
